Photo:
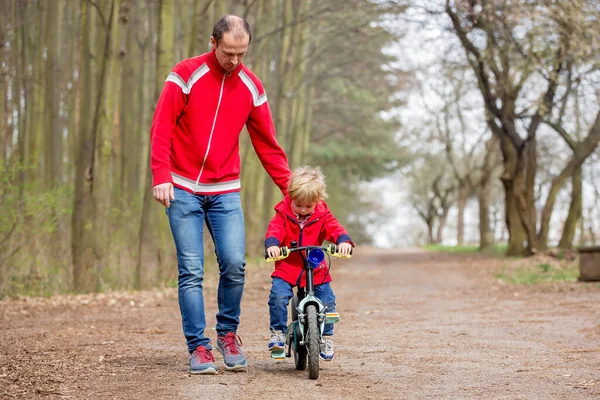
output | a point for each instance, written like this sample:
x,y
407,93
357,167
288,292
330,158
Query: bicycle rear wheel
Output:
x,y
299,351
300,357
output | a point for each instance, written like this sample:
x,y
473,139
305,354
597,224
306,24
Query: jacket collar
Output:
x,y
213,64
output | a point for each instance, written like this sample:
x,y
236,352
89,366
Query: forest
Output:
x,y
489,104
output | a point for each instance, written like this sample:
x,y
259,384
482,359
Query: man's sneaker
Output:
x,y
326,349
230,346
202,362
277,342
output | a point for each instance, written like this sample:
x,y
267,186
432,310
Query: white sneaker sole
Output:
x,y
207,371
237,368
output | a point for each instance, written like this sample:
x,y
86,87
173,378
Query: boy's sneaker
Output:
x,y
326,349
230,346
202,362
277,342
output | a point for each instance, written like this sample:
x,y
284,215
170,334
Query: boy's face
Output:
x,y
303,208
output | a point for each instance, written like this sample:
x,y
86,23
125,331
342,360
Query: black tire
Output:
x,y
299,351
300,357
313,340
294,311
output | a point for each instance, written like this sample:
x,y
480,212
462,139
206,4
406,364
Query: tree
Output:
x,y
432,193
509,47
148,256
105,28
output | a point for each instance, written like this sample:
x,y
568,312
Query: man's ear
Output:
x,y
213,42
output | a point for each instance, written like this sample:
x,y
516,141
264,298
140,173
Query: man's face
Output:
x,y
230,50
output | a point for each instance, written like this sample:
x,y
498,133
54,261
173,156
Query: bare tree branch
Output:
x,y
562,132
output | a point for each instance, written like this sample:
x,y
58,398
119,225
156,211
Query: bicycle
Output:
x,y
308,314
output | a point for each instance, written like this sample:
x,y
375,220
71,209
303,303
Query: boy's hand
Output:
x,y
344,248
273,252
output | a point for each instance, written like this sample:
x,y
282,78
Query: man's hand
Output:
x,y
344,248
273,252
164,193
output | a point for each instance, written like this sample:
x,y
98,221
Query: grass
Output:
x,y
494,250
539,273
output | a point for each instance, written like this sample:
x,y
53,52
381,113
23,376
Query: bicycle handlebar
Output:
x,y
330,249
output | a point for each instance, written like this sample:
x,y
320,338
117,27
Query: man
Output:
x,y
203,107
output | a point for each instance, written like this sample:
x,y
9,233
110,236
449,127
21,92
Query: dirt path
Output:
x,y
414,325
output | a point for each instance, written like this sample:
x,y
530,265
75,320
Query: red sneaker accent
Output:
x,y
203,355
231,343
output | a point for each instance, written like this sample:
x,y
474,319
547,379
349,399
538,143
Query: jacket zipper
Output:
x,y
301,229
211,132
300,244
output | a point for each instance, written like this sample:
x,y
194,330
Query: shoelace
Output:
x,y
231,341
277,336
328,345
203,355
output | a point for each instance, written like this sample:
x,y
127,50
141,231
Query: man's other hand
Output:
x,y
164,193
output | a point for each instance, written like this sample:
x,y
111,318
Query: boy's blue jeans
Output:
x,y
225,221
281,293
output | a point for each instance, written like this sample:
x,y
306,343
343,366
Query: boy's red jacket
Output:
x,y
284,228
197,123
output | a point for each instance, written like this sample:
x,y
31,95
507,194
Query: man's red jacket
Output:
x,y
197,124
284,228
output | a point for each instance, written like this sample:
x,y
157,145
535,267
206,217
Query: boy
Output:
x,y
302,216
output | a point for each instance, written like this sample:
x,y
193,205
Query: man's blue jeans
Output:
x,y
225,221
281,293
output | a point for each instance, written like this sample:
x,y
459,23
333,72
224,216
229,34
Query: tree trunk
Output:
x,y
73,95
5,63
592,234
461,205
430,239
23,96
91,212
522,187
530,166
516,233
514,224
575,209
442,225
252,172
39,141
84,248
557,184
296,83
486,234
55,75
283,69
147,258
202,27
54,126
106,163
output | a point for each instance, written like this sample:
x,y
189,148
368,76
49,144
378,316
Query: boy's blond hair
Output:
x,y
307,185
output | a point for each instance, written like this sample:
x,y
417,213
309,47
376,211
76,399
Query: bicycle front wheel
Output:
x,y
313,340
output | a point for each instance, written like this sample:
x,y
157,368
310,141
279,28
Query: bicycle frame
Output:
x,y
306,296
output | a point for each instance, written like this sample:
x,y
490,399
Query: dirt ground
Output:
x,y
414,325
